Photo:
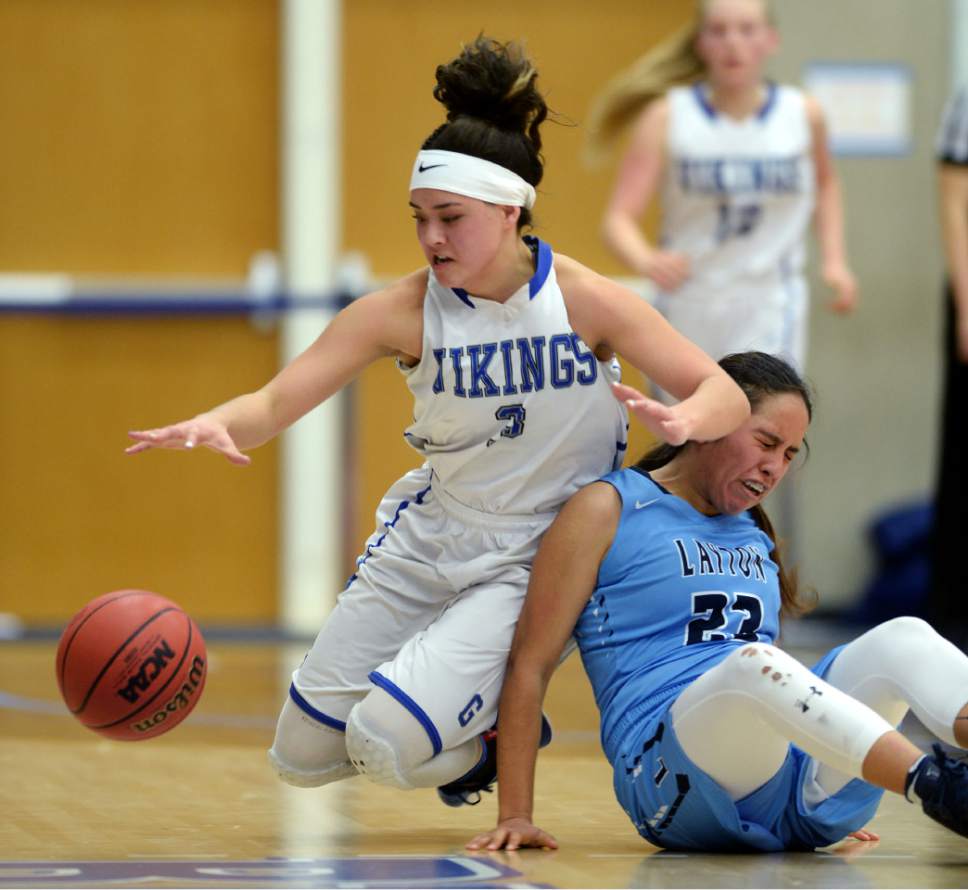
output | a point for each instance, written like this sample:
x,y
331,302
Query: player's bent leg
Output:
x,y
392,743
899,664
905,662
426,723
307,753
757,700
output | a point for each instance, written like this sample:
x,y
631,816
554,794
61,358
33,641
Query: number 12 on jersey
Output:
x,y
735,221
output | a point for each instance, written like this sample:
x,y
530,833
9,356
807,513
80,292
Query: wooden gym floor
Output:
x,y
200,807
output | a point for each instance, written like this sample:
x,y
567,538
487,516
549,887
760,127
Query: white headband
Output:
x,y
451,171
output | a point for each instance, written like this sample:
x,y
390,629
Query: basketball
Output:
x,y
131,665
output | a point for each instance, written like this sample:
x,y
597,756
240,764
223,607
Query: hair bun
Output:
x,y
494,82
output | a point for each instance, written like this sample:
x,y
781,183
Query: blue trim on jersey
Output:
x,y
703,101
377,679
462,295
542,265
307,708
770,103
543,260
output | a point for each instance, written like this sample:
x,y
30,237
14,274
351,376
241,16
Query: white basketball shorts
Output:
x,y
428,616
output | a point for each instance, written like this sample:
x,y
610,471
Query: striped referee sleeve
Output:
x,y
952,144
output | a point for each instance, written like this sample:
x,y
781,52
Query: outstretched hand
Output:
x,y
189,434
660,419
512,834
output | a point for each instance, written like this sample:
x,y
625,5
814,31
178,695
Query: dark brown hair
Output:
x,y
494,109
759,375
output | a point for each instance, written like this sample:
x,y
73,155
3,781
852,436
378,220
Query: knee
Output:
x,y
906,627
756,663
904,637
306,753
373,752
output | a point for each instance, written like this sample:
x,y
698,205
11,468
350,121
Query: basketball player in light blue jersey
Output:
x,y
669,578
741,165
509,352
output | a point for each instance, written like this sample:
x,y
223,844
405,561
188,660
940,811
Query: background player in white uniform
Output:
x,y
741,163
668,576
508,350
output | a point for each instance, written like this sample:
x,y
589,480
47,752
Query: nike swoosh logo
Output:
x,y
640,505
422,169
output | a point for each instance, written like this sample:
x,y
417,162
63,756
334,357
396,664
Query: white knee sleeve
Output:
x,y
311,778
821,719
372,753
305,753
905,662
788,699
387,744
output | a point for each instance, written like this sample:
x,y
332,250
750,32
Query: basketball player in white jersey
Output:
x,y
742,165
509,351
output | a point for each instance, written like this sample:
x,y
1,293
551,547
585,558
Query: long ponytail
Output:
x,y
672,62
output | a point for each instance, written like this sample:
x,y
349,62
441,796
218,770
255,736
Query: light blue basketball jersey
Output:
x,y
676,592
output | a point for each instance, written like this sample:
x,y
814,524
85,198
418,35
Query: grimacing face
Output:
x,y
741,469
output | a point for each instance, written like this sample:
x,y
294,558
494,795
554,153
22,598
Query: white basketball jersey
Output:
x,y
513,412
738,194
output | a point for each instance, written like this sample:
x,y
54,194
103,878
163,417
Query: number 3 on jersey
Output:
x,y
711,607
514,415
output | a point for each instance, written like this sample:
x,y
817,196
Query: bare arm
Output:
x,y
953,201
387,322
635,188
563,578
829,216
612,319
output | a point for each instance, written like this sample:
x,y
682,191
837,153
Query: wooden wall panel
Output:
x,y
139,140
81,517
